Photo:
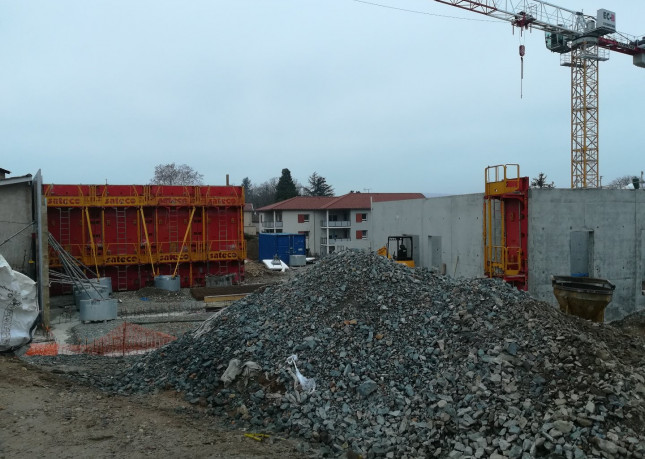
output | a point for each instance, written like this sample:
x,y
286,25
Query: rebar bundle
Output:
x,y
74,271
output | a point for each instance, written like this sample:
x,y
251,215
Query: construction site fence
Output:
x,y
126,339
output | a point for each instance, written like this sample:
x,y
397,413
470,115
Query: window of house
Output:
x,y
361,234
361,218
303,218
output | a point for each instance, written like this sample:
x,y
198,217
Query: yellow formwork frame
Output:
x,y
181,249
145,231
89,230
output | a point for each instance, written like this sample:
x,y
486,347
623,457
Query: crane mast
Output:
x,y
582,41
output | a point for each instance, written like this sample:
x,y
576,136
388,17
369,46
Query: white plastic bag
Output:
x,y
308,384
18,307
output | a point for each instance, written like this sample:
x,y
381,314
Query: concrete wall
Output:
x,y
16,214
449,231
615,223
24,245
250,227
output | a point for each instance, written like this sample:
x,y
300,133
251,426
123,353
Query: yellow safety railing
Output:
x,y
501,179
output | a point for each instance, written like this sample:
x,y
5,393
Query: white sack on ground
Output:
x,y
18,307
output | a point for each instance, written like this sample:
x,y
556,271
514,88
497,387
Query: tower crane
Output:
x,y
582,42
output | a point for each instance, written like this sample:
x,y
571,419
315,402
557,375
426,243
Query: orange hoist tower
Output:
x,y
506,225
582,42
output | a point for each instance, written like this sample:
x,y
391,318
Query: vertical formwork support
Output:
x,y
506,225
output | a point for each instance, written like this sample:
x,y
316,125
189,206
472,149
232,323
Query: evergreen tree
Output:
x,y
286,188
318,186
540,182
248,189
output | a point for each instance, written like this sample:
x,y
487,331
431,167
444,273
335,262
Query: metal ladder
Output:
x,y
222,239
64,236
121,277
173,229
121,232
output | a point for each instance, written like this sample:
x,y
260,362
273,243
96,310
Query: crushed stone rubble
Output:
x,y
407,363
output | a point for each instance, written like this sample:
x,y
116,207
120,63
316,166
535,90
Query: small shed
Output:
x,y
284,245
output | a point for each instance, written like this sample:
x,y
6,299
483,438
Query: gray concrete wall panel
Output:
x,y
449,231
614,219
15,215
612,223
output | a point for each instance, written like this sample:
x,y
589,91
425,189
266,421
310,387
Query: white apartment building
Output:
x,y
329,223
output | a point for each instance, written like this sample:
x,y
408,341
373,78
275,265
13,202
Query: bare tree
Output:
x,y
621,182
264,193
173,174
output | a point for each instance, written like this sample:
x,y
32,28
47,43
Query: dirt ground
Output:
x,y
49,411
44,414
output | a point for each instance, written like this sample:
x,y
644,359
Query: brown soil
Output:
x,y
44,414
634,323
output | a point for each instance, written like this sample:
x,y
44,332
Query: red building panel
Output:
x,y
132,233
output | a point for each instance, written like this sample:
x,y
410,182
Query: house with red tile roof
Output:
x,y
329,223
250,220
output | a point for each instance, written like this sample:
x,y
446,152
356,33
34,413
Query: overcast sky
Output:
x,y
371,98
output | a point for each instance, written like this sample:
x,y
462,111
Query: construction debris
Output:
x,y
411,364
18,308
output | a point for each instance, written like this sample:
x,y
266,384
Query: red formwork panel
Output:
x,y
132,233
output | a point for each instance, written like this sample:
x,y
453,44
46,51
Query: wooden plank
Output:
x,y
220,298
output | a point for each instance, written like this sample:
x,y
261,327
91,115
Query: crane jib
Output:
x,y
582,41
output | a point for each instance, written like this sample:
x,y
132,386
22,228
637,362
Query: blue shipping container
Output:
x,y
281,244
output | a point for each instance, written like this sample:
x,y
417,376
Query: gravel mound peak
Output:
x,y
408,363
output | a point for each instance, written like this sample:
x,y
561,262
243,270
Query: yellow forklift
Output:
x,y
399,249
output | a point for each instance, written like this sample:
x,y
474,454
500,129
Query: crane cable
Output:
x,y
522,52
423,12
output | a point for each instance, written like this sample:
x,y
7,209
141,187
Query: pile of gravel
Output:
x,y
411,364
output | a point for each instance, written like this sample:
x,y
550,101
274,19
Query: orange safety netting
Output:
x,y
42,349
125,339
